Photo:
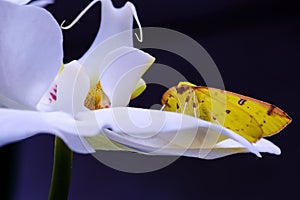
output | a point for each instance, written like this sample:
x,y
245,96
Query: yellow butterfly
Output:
x,y
251,118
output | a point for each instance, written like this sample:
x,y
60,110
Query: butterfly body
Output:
x,y
249,117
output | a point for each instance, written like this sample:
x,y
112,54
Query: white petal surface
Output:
x,y
20,2
229,147
41,3
154,132
267,146
17,125
72,89
115,28
225,148
123,69
30,50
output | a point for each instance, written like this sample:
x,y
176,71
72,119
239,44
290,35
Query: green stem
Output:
x,y
62,171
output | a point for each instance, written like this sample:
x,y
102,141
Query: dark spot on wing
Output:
x,y
270,111
242,101
228,111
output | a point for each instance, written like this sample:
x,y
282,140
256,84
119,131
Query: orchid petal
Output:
x,y
230,147
20,2
41,3
124,68
7,102
72,89
139,89
154,131
222,149
30,50
17,125
267,146
115,28
100,142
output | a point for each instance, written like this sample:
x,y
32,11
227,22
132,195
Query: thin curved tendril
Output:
x,y
79,16
139,38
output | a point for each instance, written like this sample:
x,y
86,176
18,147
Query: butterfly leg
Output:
x,y
194,104
213,118
186,102
163,107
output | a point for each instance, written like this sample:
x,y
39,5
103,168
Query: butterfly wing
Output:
x,y
249,117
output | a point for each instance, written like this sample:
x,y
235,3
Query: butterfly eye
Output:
x,y
180,89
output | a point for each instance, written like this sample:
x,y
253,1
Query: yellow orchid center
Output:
x,y
96,98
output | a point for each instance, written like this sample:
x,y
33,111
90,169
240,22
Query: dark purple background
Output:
x,y
255,44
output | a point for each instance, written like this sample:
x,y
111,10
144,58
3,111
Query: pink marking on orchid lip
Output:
x,y
53,96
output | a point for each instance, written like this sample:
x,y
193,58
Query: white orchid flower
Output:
x,y
37,99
